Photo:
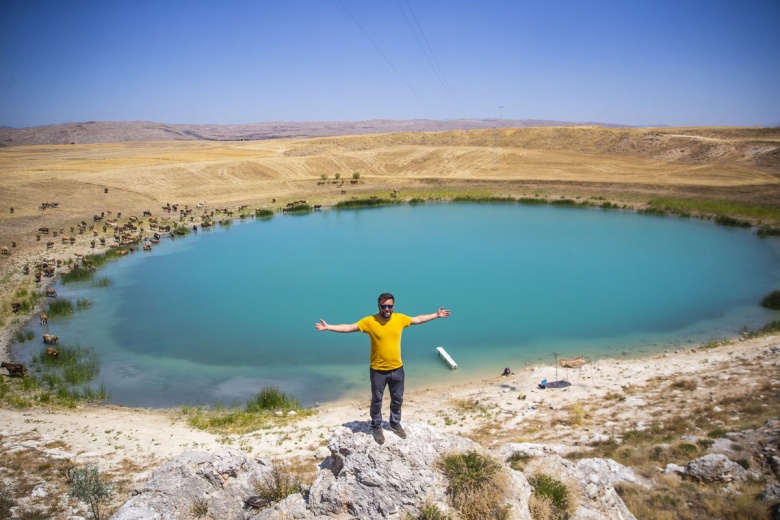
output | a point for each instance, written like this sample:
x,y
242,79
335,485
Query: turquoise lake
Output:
x,y
218,315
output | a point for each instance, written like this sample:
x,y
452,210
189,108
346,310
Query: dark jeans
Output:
x,y
379,380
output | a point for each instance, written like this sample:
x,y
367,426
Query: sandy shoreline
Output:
x,y
129,443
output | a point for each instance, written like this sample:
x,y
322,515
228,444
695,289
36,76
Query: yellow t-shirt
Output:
x,y
385,340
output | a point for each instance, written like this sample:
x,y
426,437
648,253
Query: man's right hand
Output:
x,y
321,325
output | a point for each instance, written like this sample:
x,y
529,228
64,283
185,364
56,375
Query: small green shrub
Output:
x,y
766,231
477,487
74,366
771,327
569,203
87,485
60,307
717,433
86,369
364,203
705,443
77,274
772,301
83,303
181,229
88,393
300,208
484,200
532,201
25,306
277,485
553,491
686,450
96,260
518,460
103,281
264,213
24,335
724,220
271,398
429,512
657,212
30,383
200,508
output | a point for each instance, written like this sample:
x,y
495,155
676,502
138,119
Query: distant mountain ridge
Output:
x,y
91,132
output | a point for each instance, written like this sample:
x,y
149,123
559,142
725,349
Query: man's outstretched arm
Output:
x,y
344,327
423,318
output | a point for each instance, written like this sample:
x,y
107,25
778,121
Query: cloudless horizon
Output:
x,y
683,63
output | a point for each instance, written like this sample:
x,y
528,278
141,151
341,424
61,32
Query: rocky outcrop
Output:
x,y
364,480
361,479
593,478
212,483
714,467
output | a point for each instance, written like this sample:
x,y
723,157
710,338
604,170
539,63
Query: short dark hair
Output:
x,y
386,296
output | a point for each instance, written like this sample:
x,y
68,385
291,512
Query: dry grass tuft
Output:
x,y
278,484
541,507
688,385
576,414
671,499
477,485
553,499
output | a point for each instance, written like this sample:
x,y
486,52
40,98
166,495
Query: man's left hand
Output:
x,y
442,313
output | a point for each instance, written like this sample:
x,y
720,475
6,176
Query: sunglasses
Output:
x,y
386,306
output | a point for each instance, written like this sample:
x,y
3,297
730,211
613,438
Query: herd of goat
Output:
x,y
126,237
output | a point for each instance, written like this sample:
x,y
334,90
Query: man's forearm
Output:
x,y
423,318
344,327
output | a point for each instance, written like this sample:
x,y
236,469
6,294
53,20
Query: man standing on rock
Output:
x,y
386,368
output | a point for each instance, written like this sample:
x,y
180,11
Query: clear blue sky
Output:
x,y
635,62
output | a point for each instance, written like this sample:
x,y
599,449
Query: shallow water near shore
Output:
x,y
220,314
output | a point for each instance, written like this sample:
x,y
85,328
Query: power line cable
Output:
x,y
429,55
387,59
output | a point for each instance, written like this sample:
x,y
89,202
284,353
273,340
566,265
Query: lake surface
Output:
x,y
220,314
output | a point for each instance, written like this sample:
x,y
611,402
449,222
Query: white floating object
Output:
x,y
446,357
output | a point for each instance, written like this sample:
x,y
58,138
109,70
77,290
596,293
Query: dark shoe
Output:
x,y
379,435
398,430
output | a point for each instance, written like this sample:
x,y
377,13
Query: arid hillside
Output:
x,y
93,132
741,164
